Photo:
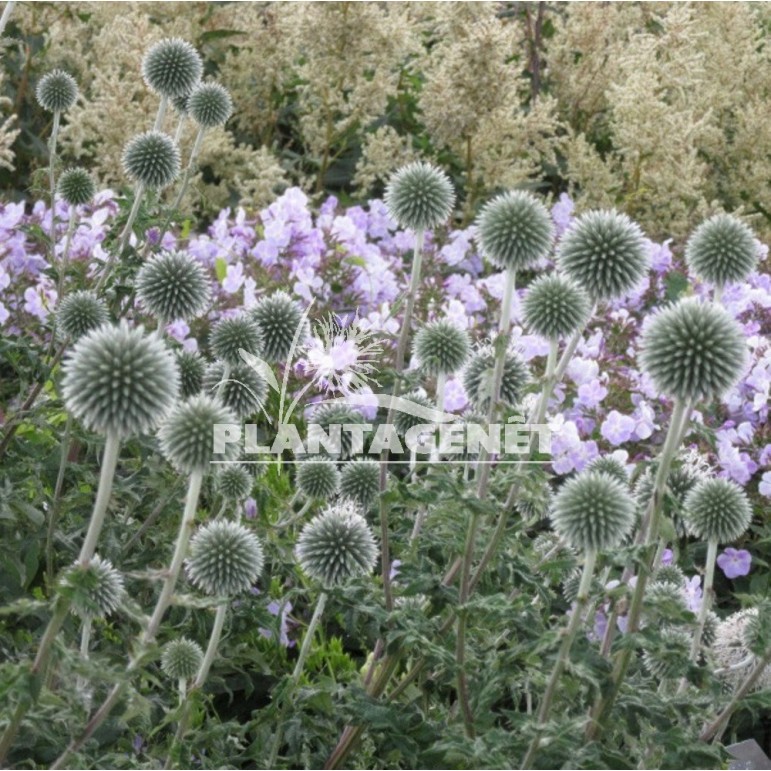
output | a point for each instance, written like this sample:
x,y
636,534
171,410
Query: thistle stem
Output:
x,y
64,262
52,180
161,114
6,15
53,516
188,170
85,642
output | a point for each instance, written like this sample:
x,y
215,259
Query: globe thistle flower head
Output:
x,y
593,511
419,196
191,367
179,103
181,658
693,350
187,435
478,378
117,379
234,483
722,250
95,590
731,654
230,335
360,481
666,597
709,632
514,230
717,509
172,286
225,558
278,318
151,159
79,313
318,478
555,307
442,347
328,416
172,67
56,91
670,574
210,105
607,464
75,186
404,421
337,545
244,390
670,657
604,252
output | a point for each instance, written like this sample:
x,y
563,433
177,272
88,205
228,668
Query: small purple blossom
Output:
x,y
734,562
617,428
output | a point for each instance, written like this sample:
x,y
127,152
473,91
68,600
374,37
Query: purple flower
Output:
x,y
667,557
693,593
765,484
617,428
734,562
591,394
250,508
562,213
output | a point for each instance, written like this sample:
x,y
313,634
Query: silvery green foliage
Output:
x,y
360,481
442,347
244,390
79,313
172,286
172,67
119,379
187,435
318,478
604,252
56,91
478,378
671,655
555,307
693,350
404,421
95,590
328,415
337,545
709,632
514,230
721,250
225,558
181,658
570,585
419,196
717,509
233,482
191,367
152,159
278,318
75,186
731,654
607,464
230,335
209,105
593,511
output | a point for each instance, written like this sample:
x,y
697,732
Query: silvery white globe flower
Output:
x,y
152,159
478,378
404,421
172,67
442,347
329,415
419,196
75,186
555,307
234,482
173,286
191,367
360,481
209,105
731,654
117,379
181,658
95,591
244,391
670,657
606,464
717,509
78,314
230,335
278,318
56,91
318,478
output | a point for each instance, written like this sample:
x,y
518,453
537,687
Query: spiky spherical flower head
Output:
x,y
210,105
731,653
555,307
172,286
234,482
670,574
514,230
117,379
717,509
442,347
172,67
244,390
318,478
230,335
79,313
75,186
404,421
593,511
279,318
722,250
419,196
666,597
56,91
180,659
187,435
604,252
360,481
151,159
478,378
329,415
95,590
225,558
337,545
191,367
693,350
606,464
709,632
670,656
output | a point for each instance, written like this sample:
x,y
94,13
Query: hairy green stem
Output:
x,y
64,262
52,180
161,114
53,515
188,170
